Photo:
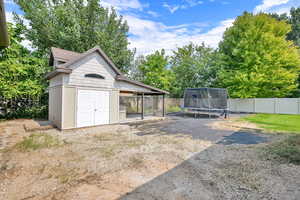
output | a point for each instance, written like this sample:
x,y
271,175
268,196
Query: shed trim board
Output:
x,y
87,101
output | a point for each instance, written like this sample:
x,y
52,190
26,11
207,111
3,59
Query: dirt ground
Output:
x,y
177,158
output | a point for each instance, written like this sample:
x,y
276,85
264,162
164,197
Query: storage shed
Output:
x,y
87,89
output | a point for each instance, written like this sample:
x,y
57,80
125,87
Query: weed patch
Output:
x,y
38,141
287,150
171,109
132,143
136,161
107,136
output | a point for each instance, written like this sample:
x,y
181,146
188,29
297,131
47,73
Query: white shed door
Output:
x,y
92,108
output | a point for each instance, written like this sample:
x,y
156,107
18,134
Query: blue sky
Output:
x,y
173,23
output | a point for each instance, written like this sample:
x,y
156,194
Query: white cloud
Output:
x,y
171,8
267,4
276,6
186,4
27,44
225,2
9,2
153,14
148,36
193,3
123,4
9,17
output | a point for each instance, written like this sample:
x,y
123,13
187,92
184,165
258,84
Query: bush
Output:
x,y
171,109
287,150
37,112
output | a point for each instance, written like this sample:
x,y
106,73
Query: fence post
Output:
x,y
298,105
254,105
275,105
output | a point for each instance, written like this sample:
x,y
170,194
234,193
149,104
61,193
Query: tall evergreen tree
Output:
x,y
77,25
257,59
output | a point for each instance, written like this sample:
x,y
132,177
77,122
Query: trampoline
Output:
x,y
206,100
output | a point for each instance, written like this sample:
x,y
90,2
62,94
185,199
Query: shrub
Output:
x,y
287,150
37,112
171,109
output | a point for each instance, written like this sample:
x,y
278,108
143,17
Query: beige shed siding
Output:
x,y
114,107
93,63
55,105
69,107
122,85
57,80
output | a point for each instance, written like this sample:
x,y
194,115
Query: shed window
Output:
x,y
94,76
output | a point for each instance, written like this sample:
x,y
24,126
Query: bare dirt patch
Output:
x,y
93,163
233,124
13,131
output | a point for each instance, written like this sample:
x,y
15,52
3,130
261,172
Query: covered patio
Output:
x,y
141,105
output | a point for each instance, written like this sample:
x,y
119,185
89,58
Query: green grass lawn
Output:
x,y
276,122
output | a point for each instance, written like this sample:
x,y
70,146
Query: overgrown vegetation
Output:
x,y
276,122
287,150
22,79
171,109
38,141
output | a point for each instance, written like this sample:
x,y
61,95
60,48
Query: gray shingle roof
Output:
x,y
63,55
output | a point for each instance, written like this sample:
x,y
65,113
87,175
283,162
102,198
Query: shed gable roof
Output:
x,y
63,55
70,58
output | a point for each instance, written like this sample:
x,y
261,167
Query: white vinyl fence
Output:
x,y
266,105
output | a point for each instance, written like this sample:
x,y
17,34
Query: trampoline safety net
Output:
x,y
206,98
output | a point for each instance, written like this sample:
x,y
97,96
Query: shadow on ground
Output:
x,y
242,137
199,129
223,171
230,169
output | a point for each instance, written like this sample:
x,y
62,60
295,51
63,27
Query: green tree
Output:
x,y
21,73
134,72
193,66
295,23
154,71
257,60
294,20
77,25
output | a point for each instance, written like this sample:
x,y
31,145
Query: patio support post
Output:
x,y
137,103
142,106
164,103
